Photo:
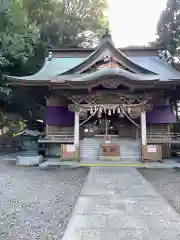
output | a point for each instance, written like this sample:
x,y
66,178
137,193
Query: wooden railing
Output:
x,y
163,137
59,136
151,137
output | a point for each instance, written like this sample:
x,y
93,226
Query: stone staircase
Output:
x,y
129,149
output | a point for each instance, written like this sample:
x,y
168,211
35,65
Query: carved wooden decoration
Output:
x,y
110,103
77,99
110,84
108,97
110,64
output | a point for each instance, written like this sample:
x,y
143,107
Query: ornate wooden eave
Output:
x,y
87,85
109,75
108,96
105,84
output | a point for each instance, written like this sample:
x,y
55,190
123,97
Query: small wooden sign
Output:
x,y
151,148
69,152
107,138
70,148
110,150
152,153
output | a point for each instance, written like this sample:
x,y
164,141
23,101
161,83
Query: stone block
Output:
x,y
29,161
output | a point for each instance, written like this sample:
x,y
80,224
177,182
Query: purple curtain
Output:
x,y
58,116
161,115
61,116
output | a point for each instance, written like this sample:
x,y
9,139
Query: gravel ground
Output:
x,y
167,183
36,204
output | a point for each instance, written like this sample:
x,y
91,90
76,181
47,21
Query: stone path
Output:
x,y
118,203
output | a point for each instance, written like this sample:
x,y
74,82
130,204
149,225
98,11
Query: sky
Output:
x,y
133,22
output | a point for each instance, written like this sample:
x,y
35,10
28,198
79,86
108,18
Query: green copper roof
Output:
x,y
52,68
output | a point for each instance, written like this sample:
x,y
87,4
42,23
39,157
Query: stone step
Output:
x,y
129,149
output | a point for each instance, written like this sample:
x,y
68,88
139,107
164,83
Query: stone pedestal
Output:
x,y
29,160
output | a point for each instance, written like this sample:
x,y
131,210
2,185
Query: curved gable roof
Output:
x,y
106,48
71,67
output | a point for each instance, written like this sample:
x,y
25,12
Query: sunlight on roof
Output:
x,y
133,22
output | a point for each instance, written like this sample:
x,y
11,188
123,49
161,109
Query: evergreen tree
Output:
x,y
68,22
27,28
168,28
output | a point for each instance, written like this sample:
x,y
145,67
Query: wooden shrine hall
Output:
x,y
106,103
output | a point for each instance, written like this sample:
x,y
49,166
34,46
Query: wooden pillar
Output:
x,y
143,128
76,129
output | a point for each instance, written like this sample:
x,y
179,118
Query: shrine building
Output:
x,y
118,97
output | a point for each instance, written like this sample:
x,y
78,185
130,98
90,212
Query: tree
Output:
x,y
168,31
17,37
27,28
18,41
68,22
168,27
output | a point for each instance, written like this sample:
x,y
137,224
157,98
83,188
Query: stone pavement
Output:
x,y
168,163
118,203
